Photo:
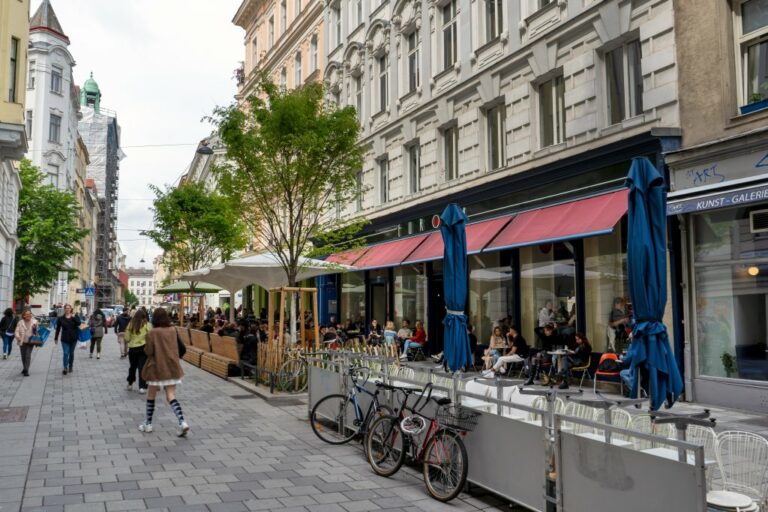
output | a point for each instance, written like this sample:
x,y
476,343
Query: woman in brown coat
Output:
x,y
162,368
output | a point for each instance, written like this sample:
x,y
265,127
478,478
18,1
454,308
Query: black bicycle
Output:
x,y
339,418
434,442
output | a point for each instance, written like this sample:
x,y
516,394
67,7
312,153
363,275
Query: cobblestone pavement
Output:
x,y
79,449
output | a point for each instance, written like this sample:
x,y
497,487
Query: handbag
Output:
x,y
181,346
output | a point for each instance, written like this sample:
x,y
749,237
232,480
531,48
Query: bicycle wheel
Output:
x,y
445,465
333,419
385,445
292,376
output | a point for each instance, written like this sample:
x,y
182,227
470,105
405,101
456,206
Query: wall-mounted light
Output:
x,y
753,271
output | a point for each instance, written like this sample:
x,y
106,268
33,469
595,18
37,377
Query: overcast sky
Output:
x,y
162,65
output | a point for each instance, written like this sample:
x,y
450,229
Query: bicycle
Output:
x,y
339,418
293,375
442,453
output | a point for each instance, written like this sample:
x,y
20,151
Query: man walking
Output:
x,y
121,324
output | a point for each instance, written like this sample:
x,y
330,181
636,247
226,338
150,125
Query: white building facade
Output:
x,y
142,283
518,111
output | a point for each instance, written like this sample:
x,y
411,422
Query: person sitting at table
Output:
x,y
405,332
537,358
207,325
417,340
250,345
517,353
230,329
351,329
580,357
374,333
496,344
390,335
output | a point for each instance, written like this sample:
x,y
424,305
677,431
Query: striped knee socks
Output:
x,y
176,406
150,411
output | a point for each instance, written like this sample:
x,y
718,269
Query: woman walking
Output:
x,y
69,328
98,327
163,369
25,330
7,326
135,338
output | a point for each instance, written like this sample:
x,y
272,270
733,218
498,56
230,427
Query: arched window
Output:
x,y
297,70
313,53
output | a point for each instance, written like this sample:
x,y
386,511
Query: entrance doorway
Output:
x,y
436,305
379,303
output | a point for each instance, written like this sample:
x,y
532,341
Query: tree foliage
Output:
x,y
130,298
194,227
291,162
48,233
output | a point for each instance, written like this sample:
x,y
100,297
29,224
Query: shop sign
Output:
x,y
720,171
720,200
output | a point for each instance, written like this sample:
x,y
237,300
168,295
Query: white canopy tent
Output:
x,y
262,269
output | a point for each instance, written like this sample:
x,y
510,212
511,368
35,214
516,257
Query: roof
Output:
x,y
45,20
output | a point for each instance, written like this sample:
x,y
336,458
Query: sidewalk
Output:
x,y
79,449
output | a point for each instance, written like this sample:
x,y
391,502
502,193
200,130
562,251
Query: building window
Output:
x,y
313,53
336,22
413,60
56,74
271,32
384,180
552,110
753,43
255,50
284,79
54,129
297,8
382,63
358,82
29,124
540,4
496,137
624,80
13,71
32,75
449,34
53,175
359,183
494,21
451,152
358,11
297,70
283,17
414,168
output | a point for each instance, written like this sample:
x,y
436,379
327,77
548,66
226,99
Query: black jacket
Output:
x,y
8,324
121,323
69,328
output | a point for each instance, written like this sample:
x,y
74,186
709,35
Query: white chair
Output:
x,y
477,388
743,461
582,411
643,423
619,418
706,437
538,403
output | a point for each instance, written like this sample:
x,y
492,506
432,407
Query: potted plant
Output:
x,y
729,363
757,101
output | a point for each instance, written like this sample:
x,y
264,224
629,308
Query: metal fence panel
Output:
x,y
507,457
322,382
599,476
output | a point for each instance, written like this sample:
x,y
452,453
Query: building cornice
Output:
x,y
245,12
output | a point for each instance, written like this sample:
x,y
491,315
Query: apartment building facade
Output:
x,y
525,113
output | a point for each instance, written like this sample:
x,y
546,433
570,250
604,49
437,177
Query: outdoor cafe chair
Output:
x,y
598,373
742,458
478,388
644,423
582,411
584,369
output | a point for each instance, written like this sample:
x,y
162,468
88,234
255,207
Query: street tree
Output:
x,y
292,160
130,298
194,227
48,233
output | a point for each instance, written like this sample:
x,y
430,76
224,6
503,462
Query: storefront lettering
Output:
x,y
721,201
706,204
748,197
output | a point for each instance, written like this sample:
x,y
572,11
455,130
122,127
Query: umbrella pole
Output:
x,y
232,306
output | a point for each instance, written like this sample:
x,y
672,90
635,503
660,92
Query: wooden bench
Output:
x,y
183,334
199,346
223,355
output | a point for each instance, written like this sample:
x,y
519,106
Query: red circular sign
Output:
x,y
435,221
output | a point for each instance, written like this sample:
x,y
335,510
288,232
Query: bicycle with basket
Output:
x,y
434,442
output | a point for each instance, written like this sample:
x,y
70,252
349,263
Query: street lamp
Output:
x,y
203,148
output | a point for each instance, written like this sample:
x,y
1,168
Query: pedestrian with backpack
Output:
x,y
7,326
68,326
98,328
121,324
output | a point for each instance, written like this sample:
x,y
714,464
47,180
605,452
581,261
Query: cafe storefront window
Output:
x,y
548,289
606,289
352,295
730,260
491,292
410,293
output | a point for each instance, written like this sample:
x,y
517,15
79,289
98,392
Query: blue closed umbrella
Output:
x,y
650,350
456,349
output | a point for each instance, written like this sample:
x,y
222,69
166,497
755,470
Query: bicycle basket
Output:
x,y
457,418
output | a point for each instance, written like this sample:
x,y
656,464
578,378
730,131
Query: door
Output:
x,y
379,303
436,305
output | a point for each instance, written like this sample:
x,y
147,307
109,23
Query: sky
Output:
x,y
162,65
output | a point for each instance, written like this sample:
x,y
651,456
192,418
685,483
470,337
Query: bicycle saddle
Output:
x,y
442,401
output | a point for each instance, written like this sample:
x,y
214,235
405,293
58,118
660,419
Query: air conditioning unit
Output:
x,y
758,221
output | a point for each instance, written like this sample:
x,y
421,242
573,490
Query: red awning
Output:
x,y
478,236
578,219
347,257
389,254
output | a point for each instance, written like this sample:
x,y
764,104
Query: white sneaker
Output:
x,y
142,390
404,358
129,387
98,356
182,429
145,427
488,374
5,356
